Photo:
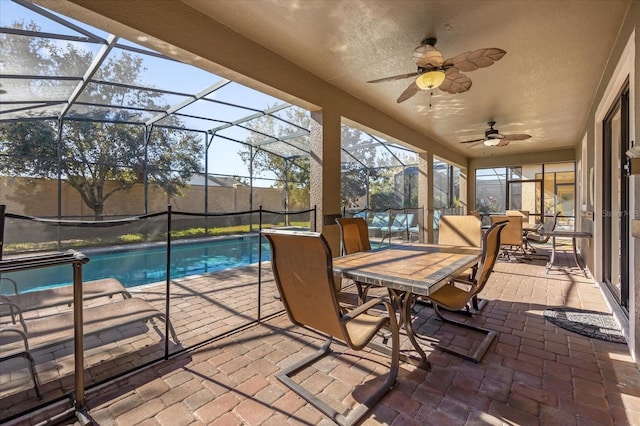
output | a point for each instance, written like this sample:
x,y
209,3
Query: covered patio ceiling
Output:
x,y
544,86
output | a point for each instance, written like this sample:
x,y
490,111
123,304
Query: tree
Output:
x,y
363,163
291,170
94,147
356,176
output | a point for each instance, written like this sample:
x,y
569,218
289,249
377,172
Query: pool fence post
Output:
x,y
260,263
315,218
78,340
2,210
167,292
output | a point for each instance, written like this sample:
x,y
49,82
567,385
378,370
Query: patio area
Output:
x,y
534,373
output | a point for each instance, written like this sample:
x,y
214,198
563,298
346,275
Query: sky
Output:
x,y
174,76
182,78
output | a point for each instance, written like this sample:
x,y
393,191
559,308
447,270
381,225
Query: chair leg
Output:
x,y
164,318
362,409
26,354
477,355
362,290
478,304
32,371
538,256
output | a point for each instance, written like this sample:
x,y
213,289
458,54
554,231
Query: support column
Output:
x,y
464,194
325,174
425,195
471,189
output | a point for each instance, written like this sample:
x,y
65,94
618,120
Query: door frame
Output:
x,y
623,72
620,106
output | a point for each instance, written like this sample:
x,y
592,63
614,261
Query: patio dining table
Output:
x,y
408,271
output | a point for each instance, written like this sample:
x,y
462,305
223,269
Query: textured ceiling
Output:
x,y
544,85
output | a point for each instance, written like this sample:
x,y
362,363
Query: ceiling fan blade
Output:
x,y
474,141
455,82
517,137
504,142
408,92
426,56
471,61
480,143
395,77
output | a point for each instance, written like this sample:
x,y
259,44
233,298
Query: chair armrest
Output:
x,y
465,282
15,285
21,333
361,309
13,307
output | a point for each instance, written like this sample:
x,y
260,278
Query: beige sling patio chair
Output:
x,y
511,240
453,298
522,214
23,337
463,230
355,238
33,300
536,238
302,268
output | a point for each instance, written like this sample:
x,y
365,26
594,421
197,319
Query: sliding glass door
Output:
x,y
615,224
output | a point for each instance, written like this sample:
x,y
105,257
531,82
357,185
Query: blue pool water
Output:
x,y
134,267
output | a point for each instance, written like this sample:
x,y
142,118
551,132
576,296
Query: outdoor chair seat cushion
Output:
x,y
362,328
454,298
537,238
32,300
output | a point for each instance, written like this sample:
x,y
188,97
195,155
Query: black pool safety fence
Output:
x,y
96,300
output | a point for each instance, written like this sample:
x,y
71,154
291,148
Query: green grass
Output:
x,y
132,238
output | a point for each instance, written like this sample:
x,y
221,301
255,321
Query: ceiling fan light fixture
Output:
x,y
492,142
430,80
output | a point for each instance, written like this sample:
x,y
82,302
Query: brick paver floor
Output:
x,y
534,373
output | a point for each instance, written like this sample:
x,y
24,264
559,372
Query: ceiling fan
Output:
x,y
434,71
492,137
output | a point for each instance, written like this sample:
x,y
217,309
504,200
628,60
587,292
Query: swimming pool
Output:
x,y
144,265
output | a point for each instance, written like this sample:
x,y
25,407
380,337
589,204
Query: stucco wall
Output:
x,y
38,197
608,90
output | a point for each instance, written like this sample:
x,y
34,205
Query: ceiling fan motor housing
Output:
x,y
490,131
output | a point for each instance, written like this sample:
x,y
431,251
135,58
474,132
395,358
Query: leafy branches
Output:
x,y
95,144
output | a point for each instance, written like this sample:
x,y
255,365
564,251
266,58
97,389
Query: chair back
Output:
x,y
354,235
380,219
437,214
460,231
524,214
303,271
490,249
552,227
399,220
403,220
512,233
554,221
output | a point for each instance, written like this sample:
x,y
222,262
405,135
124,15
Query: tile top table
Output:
x,y
408,271
415,268
565,234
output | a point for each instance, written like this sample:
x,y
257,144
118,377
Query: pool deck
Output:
x,y
533,374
